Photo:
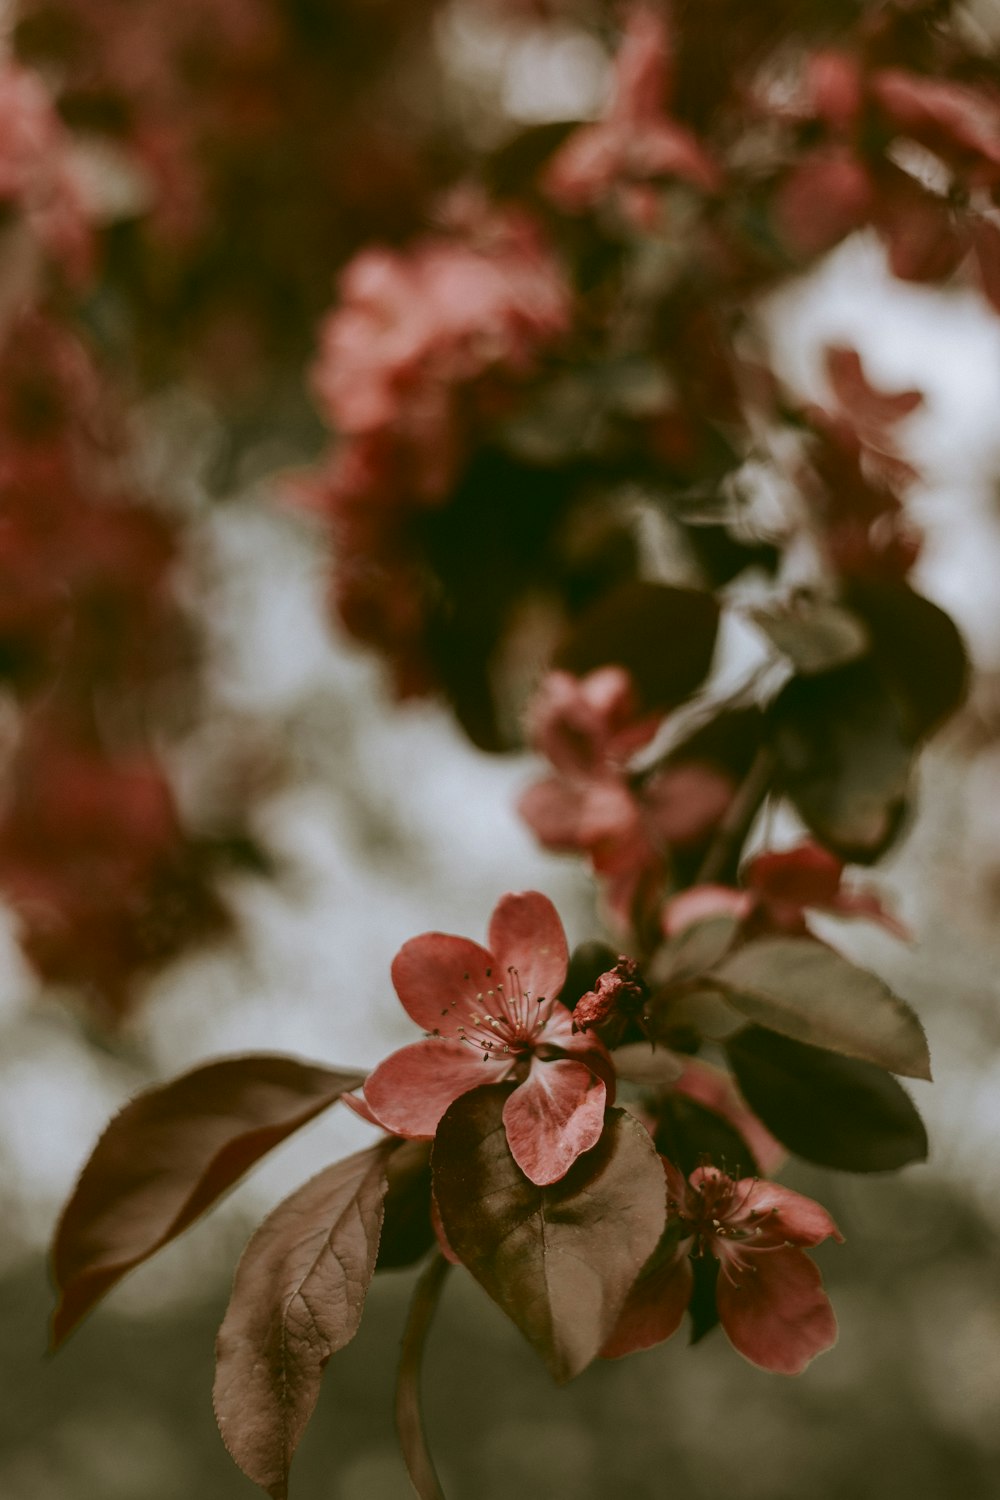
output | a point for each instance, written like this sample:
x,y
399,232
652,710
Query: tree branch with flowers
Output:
x,y
559,468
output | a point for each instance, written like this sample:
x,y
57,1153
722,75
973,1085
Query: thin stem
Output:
x,y
409,1421
739,816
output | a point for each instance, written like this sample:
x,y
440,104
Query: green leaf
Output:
x,y
844,758
918,650
697,948
804,990
559,1260
832,1110
297,1298
655,1067
168,1156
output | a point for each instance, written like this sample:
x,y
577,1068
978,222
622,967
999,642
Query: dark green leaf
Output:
x,y
665,637
832,1110
804,990
918,650
559,1260
844,758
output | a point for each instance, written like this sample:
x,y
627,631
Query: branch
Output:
x,y
735,826
409,1421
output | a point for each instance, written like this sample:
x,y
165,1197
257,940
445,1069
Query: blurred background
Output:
x,y
336,823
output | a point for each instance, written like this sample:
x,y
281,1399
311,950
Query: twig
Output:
x,y
740,814
409,1422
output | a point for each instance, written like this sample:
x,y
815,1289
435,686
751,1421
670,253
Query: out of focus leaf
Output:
x,y
663,636
804,990
697,948
298,1297
918,650
815,634
843,758
653,1066
559,1260
168,1156
832,1110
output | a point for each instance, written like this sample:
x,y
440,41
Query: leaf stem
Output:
x,y
739,816
409,1421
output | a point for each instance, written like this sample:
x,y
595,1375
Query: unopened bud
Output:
x,y
618,991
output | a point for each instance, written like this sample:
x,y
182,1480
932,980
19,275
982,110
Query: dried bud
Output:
x,y
618,991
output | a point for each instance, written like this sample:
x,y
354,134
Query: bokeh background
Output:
x,y
381,822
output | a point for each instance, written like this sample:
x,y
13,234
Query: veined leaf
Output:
x,y
832,1110
804,990
168,1156
559,1260
298,1297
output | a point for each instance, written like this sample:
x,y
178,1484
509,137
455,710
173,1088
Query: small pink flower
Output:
x,y
494,1015
770,1295
637,143
780,888
788,883
589,728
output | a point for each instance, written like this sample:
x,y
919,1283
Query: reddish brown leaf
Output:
x,y
559,1259
168,1156
298,1297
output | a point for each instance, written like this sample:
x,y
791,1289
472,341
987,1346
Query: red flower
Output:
x,y
770,1295
780,888
493,1015
637,143
589,728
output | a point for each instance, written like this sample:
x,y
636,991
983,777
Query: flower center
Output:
x,y
722,1224
505,1019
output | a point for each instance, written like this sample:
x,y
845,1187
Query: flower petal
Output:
x,y
785,1217
437,978
654,1308
555,1114
526,934
776,1313
410,1091
582,1046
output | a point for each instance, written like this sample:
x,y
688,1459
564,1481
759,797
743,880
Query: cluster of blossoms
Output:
x,y
104,879
628,825
244,160
422,347
556,450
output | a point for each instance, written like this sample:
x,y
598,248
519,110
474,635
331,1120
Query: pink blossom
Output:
x,y
770,1296
582,722
590,727
493,1015
412,328
637,143
779,888
35,174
